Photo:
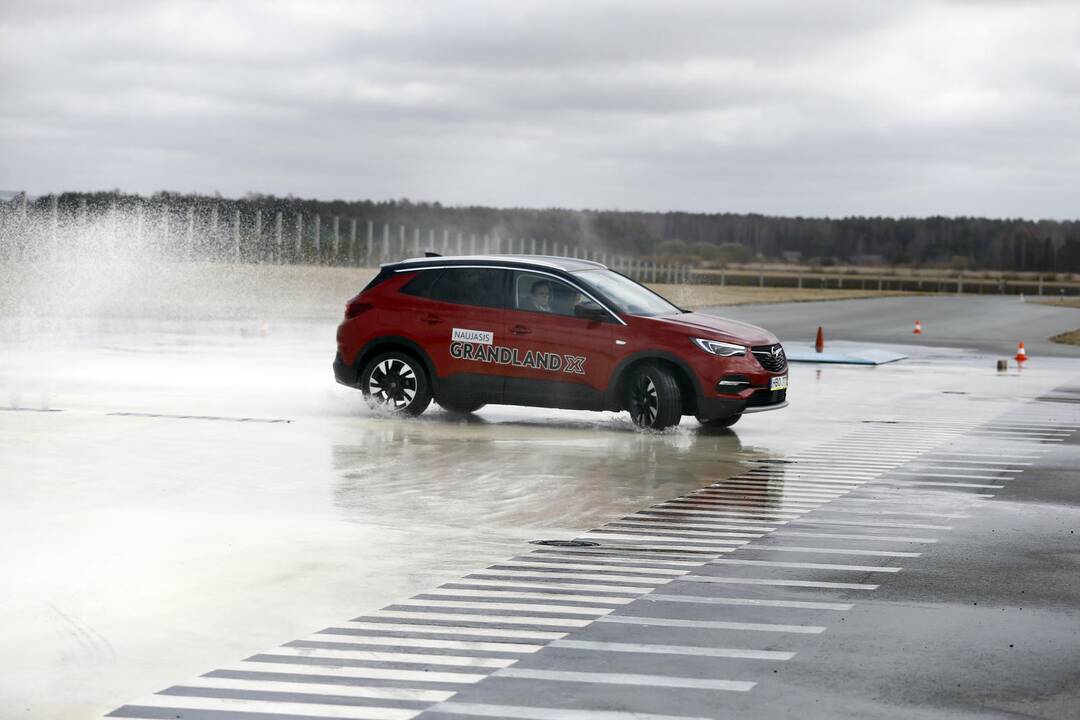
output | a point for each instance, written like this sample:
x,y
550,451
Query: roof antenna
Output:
x,y
429,253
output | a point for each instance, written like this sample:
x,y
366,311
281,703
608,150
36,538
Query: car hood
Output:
x,y
716,328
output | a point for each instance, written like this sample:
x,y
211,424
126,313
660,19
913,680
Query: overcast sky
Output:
x,y
822,107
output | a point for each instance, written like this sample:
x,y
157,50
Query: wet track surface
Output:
x,y
200,525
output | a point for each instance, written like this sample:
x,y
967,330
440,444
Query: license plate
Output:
x,y
778,383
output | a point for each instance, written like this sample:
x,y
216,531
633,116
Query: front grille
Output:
x,y
767,397
771,357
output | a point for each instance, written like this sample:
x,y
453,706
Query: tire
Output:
x,y
459,406
653,398
717,423
397,382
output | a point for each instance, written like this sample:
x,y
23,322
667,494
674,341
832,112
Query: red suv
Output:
x,y
549,332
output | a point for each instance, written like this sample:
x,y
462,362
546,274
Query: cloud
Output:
x,y
833,107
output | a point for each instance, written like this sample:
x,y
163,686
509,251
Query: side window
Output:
x,y
482,287
540,293
421,285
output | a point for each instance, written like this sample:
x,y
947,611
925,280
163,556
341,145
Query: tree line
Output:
x,y
953,242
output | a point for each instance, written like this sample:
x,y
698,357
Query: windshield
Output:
x,y
628,296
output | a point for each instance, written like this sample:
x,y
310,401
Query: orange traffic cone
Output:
x,y
819,343
1021,356
918,328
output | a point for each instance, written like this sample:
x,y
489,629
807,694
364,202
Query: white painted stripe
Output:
x,y
743,508
857,511
946,475
1011,455
430,644
697,530
445,630
858,523
606,554
936,466
779,583
700,551
626,679
978,462
726,510
360,672
466,618
804,566
518,582
812,472
520,712
529,607
513,578
702,520
692,650
838,551
708,514
951,484
697,543
314,688
277,707
495,594
712,624
406,657
533,565
780,497
784,485
754,602
842,536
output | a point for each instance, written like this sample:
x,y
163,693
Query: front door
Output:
x,y
558,359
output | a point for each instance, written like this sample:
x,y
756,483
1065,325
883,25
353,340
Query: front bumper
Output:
x,y
759,401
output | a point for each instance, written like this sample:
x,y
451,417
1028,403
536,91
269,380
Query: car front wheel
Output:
x,y
397,382
653,398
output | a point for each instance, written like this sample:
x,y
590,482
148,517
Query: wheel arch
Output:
x,y
390,343
689,387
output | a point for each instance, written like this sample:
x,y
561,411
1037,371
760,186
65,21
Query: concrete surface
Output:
x,y
162,520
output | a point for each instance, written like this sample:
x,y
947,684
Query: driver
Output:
x,y
539,299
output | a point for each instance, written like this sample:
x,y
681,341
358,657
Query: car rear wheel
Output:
x,y
397,382
653,398
724,422
460,406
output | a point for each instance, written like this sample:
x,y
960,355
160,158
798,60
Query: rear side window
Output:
x,y
481,287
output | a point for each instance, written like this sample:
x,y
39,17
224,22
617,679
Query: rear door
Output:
x,y
557,359
457,317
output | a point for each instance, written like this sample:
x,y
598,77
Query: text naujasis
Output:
x,y
533,359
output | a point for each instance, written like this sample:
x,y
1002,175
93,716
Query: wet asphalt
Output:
x,y
183,542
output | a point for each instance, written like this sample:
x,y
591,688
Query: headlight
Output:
x,y
723,349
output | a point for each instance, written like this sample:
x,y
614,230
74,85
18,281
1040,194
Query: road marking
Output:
x,y
332,656
859,523
608,560
493,594
478,607
367,641
470,618
456,678
841,536
950,484
442,630
712,624
539,565
276,707
755,602
804,566
779,583
837,551
945,475
856,511
692,650
626,679
568,581
520,712
316,688
666,540
547,588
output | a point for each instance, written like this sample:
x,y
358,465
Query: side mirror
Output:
x,y
591,312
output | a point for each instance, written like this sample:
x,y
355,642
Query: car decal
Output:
x,y
472,336
533,359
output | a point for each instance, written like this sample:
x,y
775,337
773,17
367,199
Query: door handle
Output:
x,y
520,330
431,319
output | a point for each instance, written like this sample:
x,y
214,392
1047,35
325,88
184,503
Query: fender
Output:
x,y
616,376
